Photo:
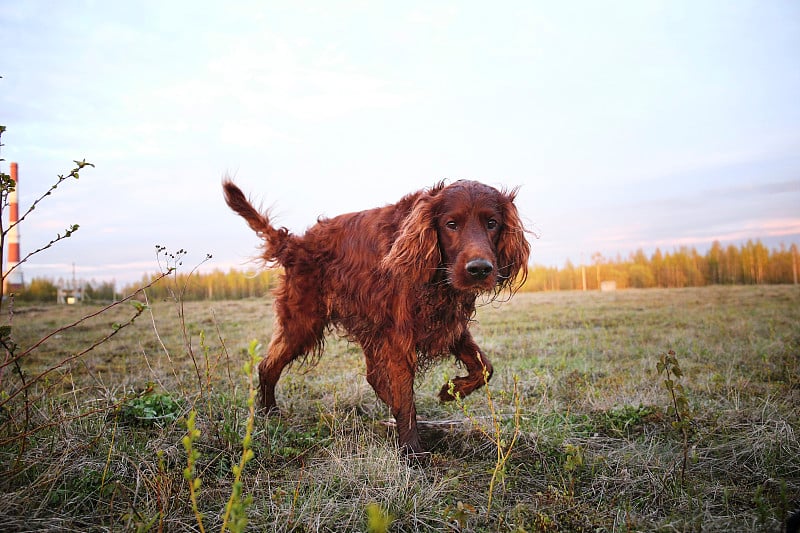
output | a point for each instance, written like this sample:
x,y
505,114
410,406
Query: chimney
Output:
x,y
13,280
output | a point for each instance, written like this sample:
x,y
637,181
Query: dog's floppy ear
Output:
x,y
415,255
513,249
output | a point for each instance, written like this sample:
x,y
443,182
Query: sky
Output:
x,y
625,124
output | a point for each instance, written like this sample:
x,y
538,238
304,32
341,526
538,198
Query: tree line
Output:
x,y
751,263
214,285
46,290
748,264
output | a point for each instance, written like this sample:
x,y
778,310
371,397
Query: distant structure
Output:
x,y
608,286
13,279
70,293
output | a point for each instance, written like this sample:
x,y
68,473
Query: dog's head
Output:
x,y
467,234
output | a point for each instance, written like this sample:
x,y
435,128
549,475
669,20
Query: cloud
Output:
x,y
433,15
755,188
252,133
274,77
638,237
97,271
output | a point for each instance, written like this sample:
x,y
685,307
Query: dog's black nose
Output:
x,y
479,268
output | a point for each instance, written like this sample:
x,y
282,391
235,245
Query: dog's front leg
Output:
x,y
479,369
401,385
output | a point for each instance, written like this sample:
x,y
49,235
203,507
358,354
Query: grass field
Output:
x,y
96,442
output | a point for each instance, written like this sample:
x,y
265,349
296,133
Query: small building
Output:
x,y
69,295
608,286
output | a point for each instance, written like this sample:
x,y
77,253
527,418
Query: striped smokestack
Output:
x,y
13,279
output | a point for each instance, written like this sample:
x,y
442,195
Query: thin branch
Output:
x,y
67,234
74,173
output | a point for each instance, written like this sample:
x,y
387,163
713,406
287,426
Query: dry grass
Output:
x,y
597,449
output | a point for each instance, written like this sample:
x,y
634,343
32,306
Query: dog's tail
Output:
x,y
275,239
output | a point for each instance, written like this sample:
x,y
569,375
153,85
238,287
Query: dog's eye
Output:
x,y
452,225
491,223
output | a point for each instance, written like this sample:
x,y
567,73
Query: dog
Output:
x,y
400,280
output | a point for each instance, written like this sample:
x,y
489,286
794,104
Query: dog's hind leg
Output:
x,y
289,341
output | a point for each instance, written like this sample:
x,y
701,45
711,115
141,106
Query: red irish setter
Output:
x,y
400,280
